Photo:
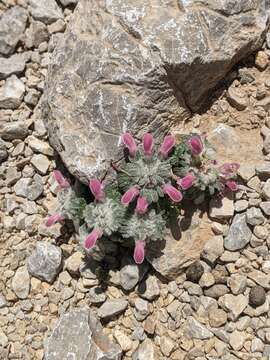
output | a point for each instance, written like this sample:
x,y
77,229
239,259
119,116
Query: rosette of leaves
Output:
x,y
147,173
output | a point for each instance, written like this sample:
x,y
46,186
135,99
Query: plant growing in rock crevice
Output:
x,y
134,207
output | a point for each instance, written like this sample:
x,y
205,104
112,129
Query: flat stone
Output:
x,y
237,98
123,340
28,188
3,339
254,216
74,262
216,291
265,206
46,11
97,295
237,340
239,234
94,60
246,171
141,309
41,163
240,205
207,280
260,278
257,345
221,208
149,289
180,247
213,249
166,345
39,146
79,335
14,130
12,25
217,317
146,350
11,94
21,283
14,65
112,308
131,273
45,262
195,330
237,283
234,304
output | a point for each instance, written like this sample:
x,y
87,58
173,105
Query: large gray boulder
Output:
x,y
78,335
141,66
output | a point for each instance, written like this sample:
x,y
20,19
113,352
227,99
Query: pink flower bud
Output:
x,y
54,219
232,185
167,145
174,194
129,142
139,252
229,169
130,195
142,205
96,188
91,239
148,143
196,145
186,182
62,181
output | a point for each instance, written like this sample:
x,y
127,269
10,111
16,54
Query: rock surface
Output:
x,y
133,69
78,335
239,234
45,262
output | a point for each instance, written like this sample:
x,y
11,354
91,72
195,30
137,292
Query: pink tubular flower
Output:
x,y
139,252
96,188
130,195
167,145
229,169
142,205
196,145
232,185
129,142
186,182
148,143
62,181
54,219
174,194
91,239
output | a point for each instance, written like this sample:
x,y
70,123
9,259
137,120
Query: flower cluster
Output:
x,y
144,182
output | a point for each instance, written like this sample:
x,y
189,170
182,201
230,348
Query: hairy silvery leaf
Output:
x,y
148,227
148,174
70,205
107,216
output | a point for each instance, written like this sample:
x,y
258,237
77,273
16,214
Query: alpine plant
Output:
x,y
134,206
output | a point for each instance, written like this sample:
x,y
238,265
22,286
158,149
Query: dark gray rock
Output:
x,y
46,11
194,272
78,335
14,65
239,234
3,151
45,262
136,66
12,26
257,296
